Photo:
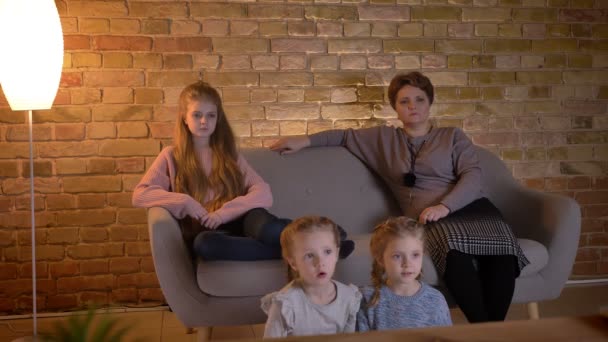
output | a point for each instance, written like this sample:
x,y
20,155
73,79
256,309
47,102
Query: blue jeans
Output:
x,y
253,236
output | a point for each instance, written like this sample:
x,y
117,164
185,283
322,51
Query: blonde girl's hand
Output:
x,y
434,213
211,221
290,145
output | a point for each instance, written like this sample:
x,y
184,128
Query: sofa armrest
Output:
x,y
553,220
174,268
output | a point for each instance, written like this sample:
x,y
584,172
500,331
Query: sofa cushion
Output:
x,y
257,278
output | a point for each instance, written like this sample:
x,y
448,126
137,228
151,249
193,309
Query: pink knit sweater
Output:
x,y
156,189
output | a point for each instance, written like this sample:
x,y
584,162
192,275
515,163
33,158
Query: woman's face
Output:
x,y
412,106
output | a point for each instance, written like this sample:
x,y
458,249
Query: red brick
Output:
x,y
113,78
139,280
42,270
15,288
69,131
6,204
92,267
91,201
75,284
94,298
123,234
70,79
592,225
65,268
129,165
584,268
6,305
126,295
62,302
161,130
496,139
94,234
579,182
128,43
137,248
182,44
595,210
598,239
8,271
151,295
62,97
556,184
124,265
24,304
588,254
602,267
535,183
120,200
601,183
583,15
147,264
76,42
592,197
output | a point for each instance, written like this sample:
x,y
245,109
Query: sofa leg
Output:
x,y
203,334
533,310
190,331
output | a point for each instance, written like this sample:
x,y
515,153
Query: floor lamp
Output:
x,y
30,70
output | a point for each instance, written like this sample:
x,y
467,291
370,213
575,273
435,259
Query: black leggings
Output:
x,y
253,236
484,292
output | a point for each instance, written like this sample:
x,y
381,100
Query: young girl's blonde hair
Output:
x,y
226,179
394,227
306,224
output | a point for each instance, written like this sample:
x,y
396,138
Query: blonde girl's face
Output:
x,y
201,118
402,260
314,256
412,106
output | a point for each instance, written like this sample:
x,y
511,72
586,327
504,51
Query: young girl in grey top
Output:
x,y
312,303
398,299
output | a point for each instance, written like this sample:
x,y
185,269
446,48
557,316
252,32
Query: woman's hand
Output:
x,y
290,144
434,213
211,221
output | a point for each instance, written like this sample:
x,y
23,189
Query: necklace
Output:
x,y
409,178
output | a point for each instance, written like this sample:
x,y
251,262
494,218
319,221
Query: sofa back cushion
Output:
x,y
326,181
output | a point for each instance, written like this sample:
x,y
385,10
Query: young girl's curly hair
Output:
x,y
383,233
306,224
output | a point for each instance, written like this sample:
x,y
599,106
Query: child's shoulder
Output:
x,y
348,290
284,297
367,292
431,292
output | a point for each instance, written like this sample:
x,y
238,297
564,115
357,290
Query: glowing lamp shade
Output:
x,y
32,53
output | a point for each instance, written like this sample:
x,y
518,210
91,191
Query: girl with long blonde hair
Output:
x,y
205,183
398,298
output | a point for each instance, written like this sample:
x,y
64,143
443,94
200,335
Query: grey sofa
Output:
x,y
332,182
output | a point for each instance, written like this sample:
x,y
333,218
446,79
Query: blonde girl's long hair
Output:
x,y
395,227
225,179
306,224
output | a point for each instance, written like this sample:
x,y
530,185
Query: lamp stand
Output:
x,y
33,220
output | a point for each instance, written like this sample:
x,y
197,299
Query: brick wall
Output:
x,y
526,78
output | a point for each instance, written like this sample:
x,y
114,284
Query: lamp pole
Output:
x,y
33,220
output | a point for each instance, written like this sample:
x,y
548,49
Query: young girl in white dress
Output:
x,y
312,303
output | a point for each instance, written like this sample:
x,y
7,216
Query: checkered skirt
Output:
x,y
477,229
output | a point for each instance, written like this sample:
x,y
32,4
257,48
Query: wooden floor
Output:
x,y
159,324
